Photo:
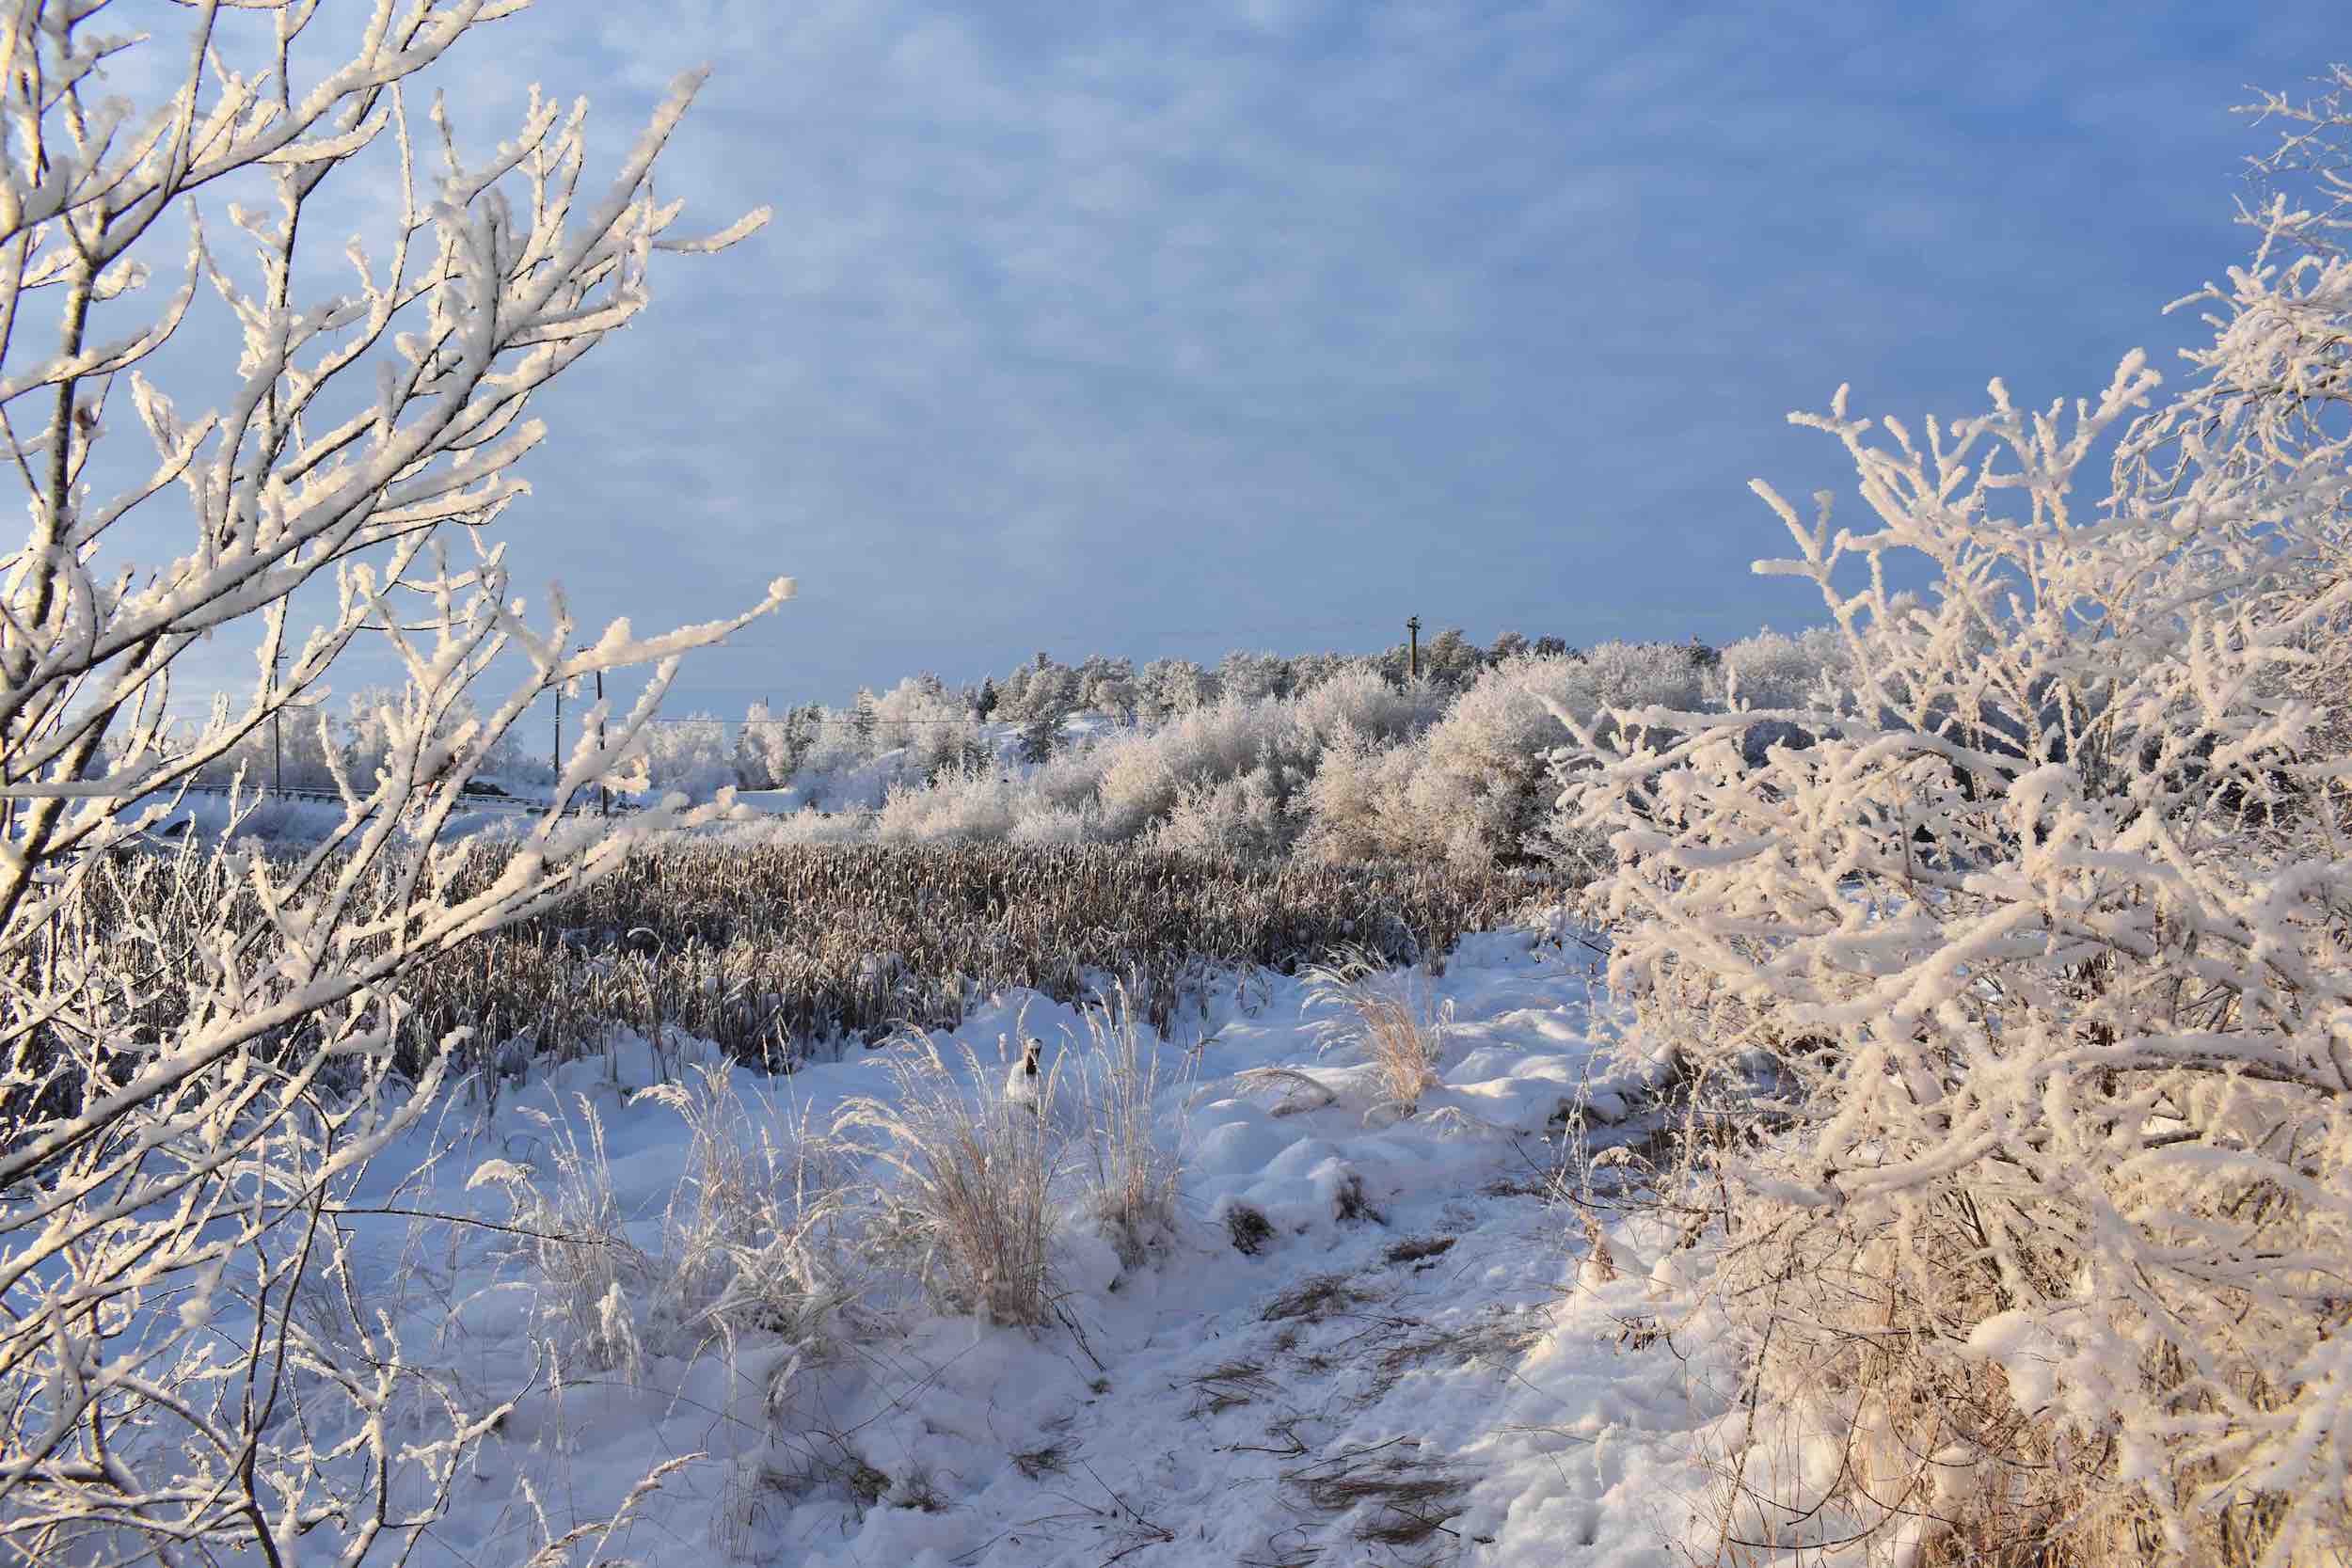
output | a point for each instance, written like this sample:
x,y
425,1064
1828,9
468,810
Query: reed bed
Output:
x,y
774,951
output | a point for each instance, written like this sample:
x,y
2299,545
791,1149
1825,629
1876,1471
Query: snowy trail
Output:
x,y
1404,1367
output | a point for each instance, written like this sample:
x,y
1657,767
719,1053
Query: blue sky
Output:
x,y
1159,329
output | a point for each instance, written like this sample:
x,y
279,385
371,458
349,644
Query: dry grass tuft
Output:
x,y
1386,1013
1352,1205
1132,1176
1316,1298
1229,1386
1406,1499
1048,1459
568,1233
1248,1228
1418,1249
748,1244
975,1201
1495,1340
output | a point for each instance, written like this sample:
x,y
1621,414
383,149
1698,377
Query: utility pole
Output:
x,y
1412,645
604,792
557,755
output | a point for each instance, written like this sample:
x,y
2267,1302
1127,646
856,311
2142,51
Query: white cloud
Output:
x,y
1145,321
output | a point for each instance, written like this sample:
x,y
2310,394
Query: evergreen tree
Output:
x,y
1040,736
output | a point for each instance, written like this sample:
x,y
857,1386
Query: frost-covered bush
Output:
x,y
922,718
2031,962
980,805
201,1055
307,744
298,751
1141,778
694,755
1056,827
1772,669
382,719
768,746
1243,815
1353,765
1775,669
1357,703
1356,804
807,826
1474,787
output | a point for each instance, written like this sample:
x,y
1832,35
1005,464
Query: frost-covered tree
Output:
x,y
1108,686
1173,686
2032,952
693,755
764,758
189,1101
921,718
1252,677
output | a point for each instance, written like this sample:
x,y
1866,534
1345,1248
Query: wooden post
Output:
x,y
1412,656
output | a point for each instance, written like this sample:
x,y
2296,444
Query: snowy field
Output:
x,y
1407,1362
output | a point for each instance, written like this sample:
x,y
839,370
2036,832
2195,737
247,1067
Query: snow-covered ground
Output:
x,y
1411,1364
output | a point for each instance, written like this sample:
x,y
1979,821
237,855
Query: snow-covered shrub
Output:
x,y
979,805
1252,679
922,718
1479,789
297,751
1473,787
976,1170
1354,701
694,757
2032,960
1244,816
767,748
807,826
382,717
1056,827
1354,804
1141,778
1775,669
192,1087
1233,770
